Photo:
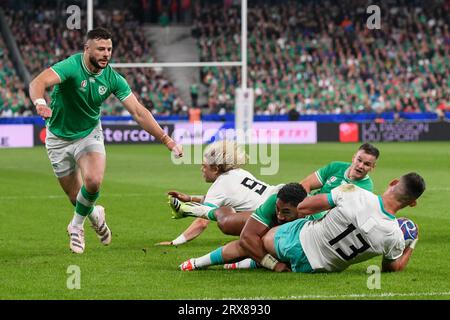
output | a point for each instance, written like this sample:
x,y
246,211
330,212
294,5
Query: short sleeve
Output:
x,y
394,249
323,173
122,90
265,212
216,195
65,68
337,195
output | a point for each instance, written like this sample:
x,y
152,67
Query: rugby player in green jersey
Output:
x,y
359,226
336,173
279,208
321,181
74,139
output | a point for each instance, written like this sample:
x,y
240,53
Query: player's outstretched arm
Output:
x,y
146,120
185,197
44,80
251,242
193,231
313,205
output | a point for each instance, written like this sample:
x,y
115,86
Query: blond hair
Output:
x,y
225,154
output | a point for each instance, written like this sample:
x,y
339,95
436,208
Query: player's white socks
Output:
x,y
93,216
243,264
199,210
212,258
78,221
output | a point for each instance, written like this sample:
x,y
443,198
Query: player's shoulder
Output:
x,y
339,164
236,173
350,188
74,59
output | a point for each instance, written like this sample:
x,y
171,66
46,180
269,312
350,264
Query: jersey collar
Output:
x,y
86,68
390,216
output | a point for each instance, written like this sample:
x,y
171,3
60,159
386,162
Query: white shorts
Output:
x,y
64,154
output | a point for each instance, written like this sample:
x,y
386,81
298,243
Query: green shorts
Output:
x,y
288,247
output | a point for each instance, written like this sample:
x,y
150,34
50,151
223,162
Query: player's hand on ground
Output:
x,y
180,196
164,243
177,150
44,111
281,267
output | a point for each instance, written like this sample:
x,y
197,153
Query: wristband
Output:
x,y
269,262
413,244
180,240
40,101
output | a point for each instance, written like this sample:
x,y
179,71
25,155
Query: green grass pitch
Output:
x,y
34,213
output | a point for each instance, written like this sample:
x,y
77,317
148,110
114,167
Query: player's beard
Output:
x,y
95,63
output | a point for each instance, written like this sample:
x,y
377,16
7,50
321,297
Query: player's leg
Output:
x,y
90,156
182,209
71,184
283,242
92,166
60,153
230,222
269,241
228,253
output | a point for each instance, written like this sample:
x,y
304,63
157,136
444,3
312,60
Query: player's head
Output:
x,y
288,198
98,47
407,189
363,161
220,157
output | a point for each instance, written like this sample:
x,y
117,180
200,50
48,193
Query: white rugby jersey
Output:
x,y
356,229
239,189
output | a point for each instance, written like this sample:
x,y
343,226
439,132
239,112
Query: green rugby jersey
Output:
x,y
336,173
76,101
333,175
267,212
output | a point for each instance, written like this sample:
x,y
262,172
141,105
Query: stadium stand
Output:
x,y
298,64
334,64
32,27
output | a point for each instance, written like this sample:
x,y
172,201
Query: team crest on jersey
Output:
x,y
102,90
332,179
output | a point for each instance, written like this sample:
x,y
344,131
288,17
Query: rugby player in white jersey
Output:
x,y
234,194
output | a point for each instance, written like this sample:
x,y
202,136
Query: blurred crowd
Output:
x,y
304,56
13,99
320,57
44,39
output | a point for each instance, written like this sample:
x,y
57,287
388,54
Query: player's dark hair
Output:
x,y
412,186
99,33
370,149
292,193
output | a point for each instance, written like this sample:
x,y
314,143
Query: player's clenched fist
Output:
x,y
44,111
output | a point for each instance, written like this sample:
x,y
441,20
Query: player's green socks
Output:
x,y
84,206
212,214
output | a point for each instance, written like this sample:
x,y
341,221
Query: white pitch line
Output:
x,y
381,295
124,195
